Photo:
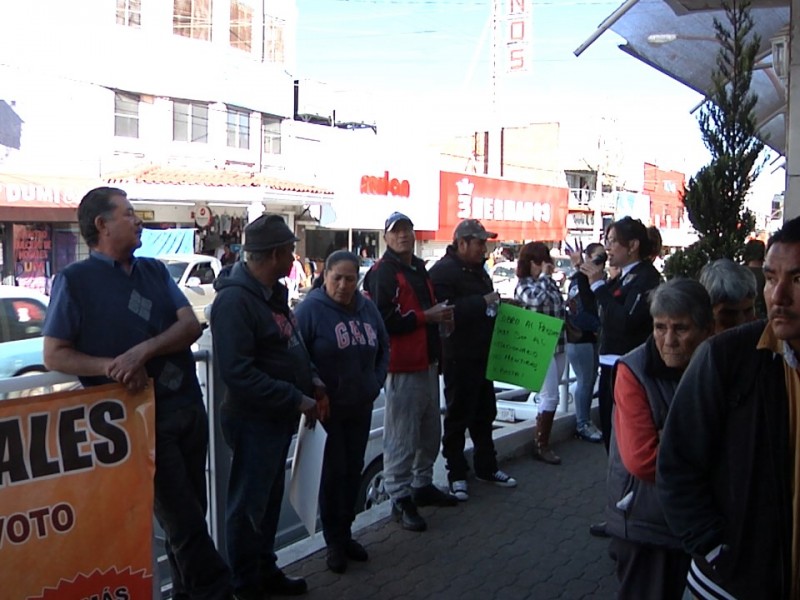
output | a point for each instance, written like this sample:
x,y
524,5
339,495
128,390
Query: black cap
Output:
x,y
267,232
395,217
472,228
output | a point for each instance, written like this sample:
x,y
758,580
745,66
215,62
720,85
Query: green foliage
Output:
x,y
715,196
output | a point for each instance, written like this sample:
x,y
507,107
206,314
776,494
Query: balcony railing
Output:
x,y
583,199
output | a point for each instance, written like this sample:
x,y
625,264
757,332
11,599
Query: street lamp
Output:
x,y
658,39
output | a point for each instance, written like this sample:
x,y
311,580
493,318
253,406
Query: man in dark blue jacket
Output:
x,y
460,279
113,317
270,380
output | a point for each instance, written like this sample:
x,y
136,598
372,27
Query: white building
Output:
x,y
181,103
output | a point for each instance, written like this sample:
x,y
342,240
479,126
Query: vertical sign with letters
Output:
x,y
515,32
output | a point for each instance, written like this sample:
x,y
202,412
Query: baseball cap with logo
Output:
x,y
395,218
472,228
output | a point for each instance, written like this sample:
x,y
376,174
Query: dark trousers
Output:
x,y
198,571
255,493
649,572
348,432
605,402
471,404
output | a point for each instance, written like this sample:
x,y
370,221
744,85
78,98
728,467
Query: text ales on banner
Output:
x,y
76,495
522,346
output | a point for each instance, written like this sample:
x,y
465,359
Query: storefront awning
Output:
x,y
161,183
677,37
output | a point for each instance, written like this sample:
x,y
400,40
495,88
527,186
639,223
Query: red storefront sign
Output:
x,y
515,210
25,198
385,186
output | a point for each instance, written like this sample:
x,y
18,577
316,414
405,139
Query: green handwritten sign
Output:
x,y
522,346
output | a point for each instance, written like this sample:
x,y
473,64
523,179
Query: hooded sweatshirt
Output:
x,y
257,347
349,346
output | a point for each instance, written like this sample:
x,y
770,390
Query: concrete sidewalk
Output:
x,y
528,542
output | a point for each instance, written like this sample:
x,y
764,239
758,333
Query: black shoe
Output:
x,y
355,551
405,512
430,495
337,558
281,585
598,529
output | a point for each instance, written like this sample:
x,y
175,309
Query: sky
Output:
x,y
425,66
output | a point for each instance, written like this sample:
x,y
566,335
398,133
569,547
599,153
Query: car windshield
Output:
x,y
176,269
504,272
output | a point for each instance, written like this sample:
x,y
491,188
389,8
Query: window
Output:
x,y
241,26
271,134
126,115
189,121
273,39
238,128
24,318
129,13
192,18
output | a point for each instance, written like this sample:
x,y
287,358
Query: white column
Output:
x,y
791,204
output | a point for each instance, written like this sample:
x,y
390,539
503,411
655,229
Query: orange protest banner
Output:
x,y
76,495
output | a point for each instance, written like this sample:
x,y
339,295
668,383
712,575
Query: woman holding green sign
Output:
x,y
537,291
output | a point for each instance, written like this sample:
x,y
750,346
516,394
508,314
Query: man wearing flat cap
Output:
x,y
399,285
459,278
270,380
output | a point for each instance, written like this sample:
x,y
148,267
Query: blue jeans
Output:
x,y
348,433
584,361
197,569
255,493
471,404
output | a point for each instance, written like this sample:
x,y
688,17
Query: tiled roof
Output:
x,y
212,177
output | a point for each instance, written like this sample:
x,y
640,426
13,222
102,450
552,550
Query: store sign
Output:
x,y
146,215
514,209
40,196
202,215
32,256
384,186
515,44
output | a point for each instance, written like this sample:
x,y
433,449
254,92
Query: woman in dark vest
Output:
x,y
624,315
650,561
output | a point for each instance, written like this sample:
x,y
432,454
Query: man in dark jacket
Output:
x,y
270,380
460,279
729,462
400,287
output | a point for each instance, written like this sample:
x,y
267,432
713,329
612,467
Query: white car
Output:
x,y
504,278
195,275
22,313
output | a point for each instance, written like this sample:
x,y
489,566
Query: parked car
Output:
x,y
22,313
195,275
504,278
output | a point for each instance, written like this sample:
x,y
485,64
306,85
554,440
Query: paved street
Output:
x,y
528,542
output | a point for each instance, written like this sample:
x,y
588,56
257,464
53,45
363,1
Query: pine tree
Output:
x,y
715,196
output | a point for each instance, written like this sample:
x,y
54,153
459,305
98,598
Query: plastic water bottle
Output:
x,y
491,309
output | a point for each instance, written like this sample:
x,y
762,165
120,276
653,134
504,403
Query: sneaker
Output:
x,y
500,478
405,512
589,433
430,495
460,490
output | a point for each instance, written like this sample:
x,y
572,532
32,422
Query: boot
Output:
x,y
541,447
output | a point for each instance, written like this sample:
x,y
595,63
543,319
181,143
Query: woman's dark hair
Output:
x,y
656,242
627,230
96,203
535,252
339,256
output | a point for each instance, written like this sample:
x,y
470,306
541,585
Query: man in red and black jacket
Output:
x,y
400,287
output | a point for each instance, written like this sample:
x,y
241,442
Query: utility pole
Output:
x,y
597,229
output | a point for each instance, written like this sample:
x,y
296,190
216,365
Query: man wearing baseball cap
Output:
x,y
270,380
460,279
400,287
